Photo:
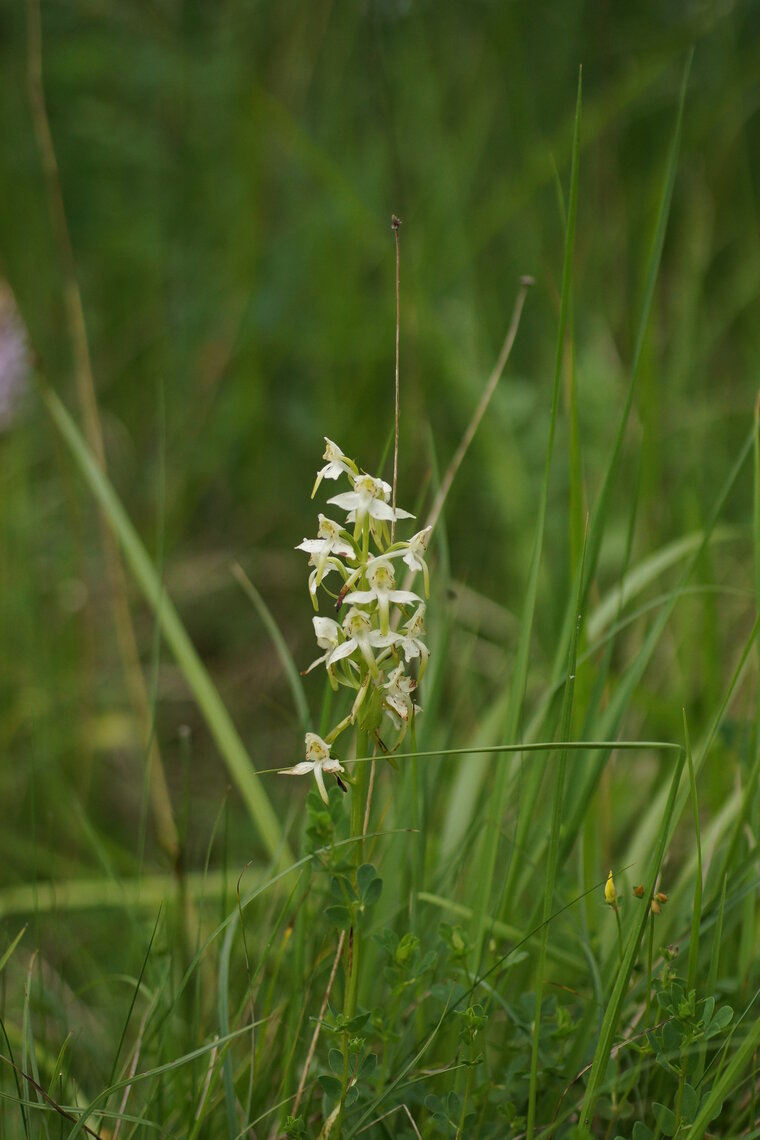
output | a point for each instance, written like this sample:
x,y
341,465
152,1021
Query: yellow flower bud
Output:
x,y
610,894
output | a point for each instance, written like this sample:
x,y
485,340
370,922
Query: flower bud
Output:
x,y
610,893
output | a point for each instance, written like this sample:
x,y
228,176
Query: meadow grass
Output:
x,y
541,921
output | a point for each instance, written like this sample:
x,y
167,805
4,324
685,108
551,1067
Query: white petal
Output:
x,y
313,545
404,597
380,510
412,560
299,769
333,765
334,470
341,547
398,705
364,597
326,631
344,650
321,783
348,501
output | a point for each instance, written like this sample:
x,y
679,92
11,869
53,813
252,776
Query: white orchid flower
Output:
x,y
414,555
318,760
360,635
398,697
369,498
410,642
382,580
324,550
328,637
336,464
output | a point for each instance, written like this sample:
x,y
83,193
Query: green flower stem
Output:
x,y
619,933
359,796
650,952
352,950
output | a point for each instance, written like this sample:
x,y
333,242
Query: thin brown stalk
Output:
x,y
207,1081
396,224
318,1026
132,1070
85,386
385,1116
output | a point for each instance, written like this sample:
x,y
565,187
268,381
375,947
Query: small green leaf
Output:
x,y
354,1024
340,915
720,1021
368,1066
364,876
335,1061
666,1119
351,1095
342,889
331,1086
689,1103
641,1132
373,892
665,1001
454,1105
672,1036
406,948
707,1011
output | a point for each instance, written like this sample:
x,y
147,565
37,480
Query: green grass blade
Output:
x,y
696,915
601,511
488,853
646,572
552,864
615,1005
9,951
230,745
280,644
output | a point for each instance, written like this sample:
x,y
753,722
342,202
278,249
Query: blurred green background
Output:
x,y
229,171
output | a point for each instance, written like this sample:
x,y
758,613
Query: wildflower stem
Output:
x,y
396,223
353,942
359,796
619,933
650,949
